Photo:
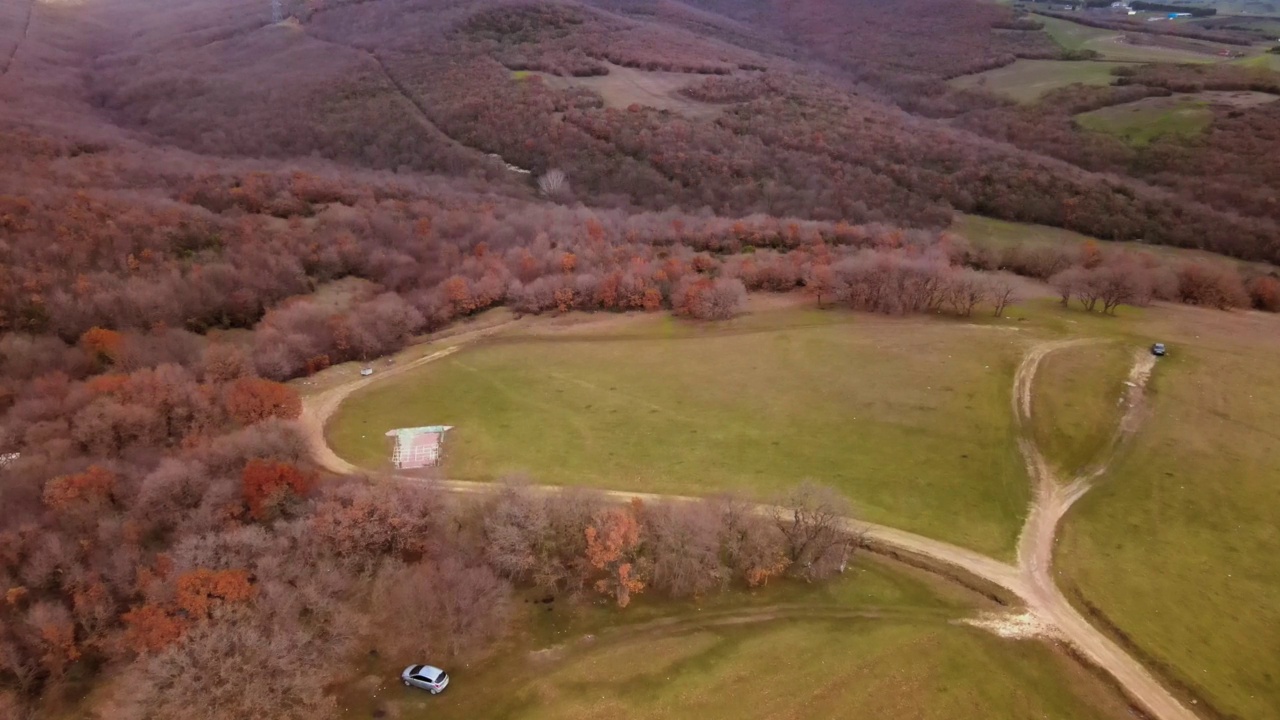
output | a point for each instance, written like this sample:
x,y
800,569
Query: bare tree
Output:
x,y
1067,283
554,184
541,538
752,545
446,609
964,290
231,668
1002,293
685,546
812,518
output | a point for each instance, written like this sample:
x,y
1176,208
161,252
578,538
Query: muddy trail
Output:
x,y
1030,580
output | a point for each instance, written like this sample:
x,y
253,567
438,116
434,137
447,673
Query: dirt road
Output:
x,y
1031,579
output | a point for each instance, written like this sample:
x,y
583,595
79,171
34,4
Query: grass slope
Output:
x,y
909,417
1141,122
1027,80
1075,402
1177,546
624,87
781,652
1002,233
1109,44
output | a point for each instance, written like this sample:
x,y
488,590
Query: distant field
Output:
x,y
1265,61
625,86
1177,545
1075,402
998,233
1110,44
1141,122
784,652
1027,80
1184,115
883,409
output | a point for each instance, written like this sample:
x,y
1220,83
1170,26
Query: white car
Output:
x,y
425,677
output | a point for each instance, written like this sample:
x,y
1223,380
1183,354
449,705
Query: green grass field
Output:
x,y
883,409
1027,80
1002,233
1177,545
1072,36
1108,44
1075,402
1140,122
1264,61
880,642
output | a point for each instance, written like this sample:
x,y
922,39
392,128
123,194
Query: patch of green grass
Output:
x,y
1177,544
1109,45
1140,122
1003,233
1264,61
1027,80
887,410
1076,402
782,651
1072,36
520,74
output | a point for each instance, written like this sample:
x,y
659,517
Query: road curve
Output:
x,y
1031,579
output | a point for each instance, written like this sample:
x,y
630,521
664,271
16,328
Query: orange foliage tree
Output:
x,y
88,490
105,345
252,400
1265,293
613,545
151,628
202,590
268,485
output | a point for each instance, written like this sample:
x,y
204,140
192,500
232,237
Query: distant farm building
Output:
x,y
417,447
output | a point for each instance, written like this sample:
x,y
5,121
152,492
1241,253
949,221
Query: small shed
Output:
x,y
417,447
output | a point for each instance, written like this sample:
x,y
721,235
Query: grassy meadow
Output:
x,y
1110,46
909,417
1177,544
879,642
1027,80
1138,123
1076,402
1002,233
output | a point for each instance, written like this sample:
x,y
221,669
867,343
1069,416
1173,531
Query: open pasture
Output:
x,y
625,86
1027,80
909,417
1176,544
1182,115
1112,45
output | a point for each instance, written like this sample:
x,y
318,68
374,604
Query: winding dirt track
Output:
x,y
1031,579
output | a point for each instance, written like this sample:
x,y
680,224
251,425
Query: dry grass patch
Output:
x,y
624,87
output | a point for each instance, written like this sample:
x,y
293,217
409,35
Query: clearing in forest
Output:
x,y
624,87
1028,80
910,417
1116,46
881,641
1184,115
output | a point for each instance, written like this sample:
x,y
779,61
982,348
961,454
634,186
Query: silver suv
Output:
x,y
425,677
